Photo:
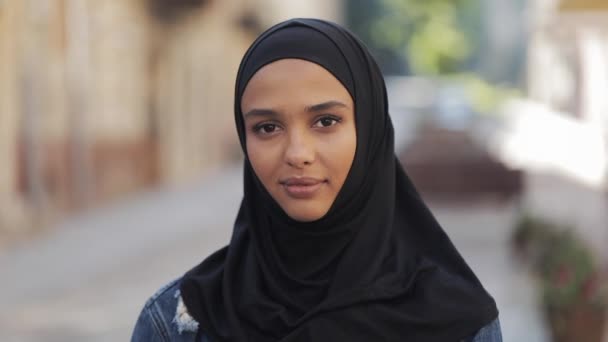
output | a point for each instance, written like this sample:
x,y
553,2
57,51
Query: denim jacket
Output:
x,y
164,318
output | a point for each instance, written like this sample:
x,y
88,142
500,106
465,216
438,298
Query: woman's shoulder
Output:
x,y
164,317
165,294
489,333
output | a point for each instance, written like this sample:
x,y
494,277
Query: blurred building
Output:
x,y
567,72
560,133
99,99
568,57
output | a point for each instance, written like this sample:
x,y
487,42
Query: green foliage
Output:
x,y
428,32
362,15
431,38
567,270
566,267
484,96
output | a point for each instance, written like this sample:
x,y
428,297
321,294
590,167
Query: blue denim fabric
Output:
x,y
157,321
489,333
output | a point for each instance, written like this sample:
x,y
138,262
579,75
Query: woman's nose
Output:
x,y
300,150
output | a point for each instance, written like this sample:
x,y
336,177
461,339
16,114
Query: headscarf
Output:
x,y
376,267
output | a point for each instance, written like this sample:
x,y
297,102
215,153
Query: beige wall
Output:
x,y
8,105
8,112
273,11
568,63
114,99
194,91
118,72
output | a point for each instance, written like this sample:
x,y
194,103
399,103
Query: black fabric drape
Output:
x,y
376,267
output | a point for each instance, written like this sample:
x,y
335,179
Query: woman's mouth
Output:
x,y
302,187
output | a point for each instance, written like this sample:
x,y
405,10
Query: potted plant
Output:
x,y
531,240
574,289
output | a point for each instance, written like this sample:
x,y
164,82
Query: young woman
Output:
x,y
332,242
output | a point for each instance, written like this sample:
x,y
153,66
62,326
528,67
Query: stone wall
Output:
x,y
100,99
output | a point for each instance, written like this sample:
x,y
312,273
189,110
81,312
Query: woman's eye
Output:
x,y
326,122
266,128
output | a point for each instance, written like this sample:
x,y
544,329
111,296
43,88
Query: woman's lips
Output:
x,y
302,187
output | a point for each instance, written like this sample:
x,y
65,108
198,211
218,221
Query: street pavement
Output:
x,y
481,232
89,279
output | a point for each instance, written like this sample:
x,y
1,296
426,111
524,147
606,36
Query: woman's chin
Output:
x,y
305,214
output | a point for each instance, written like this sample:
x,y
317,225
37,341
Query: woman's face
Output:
x,y
300,134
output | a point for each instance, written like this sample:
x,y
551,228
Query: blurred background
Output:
x,y
120,165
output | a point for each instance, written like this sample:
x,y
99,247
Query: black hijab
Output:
x,y
376,267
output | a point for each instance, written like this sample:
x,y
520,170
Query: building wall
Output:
x,y
8,112
100,99
193,91
568,63
568,72
273,11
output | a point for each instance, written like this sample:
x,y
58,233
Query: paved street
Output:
x,y
481,233
88,281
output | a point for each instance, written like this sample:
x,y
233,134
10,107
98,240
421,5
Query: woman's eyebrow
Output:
x,y
313,108
261,112
325,105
